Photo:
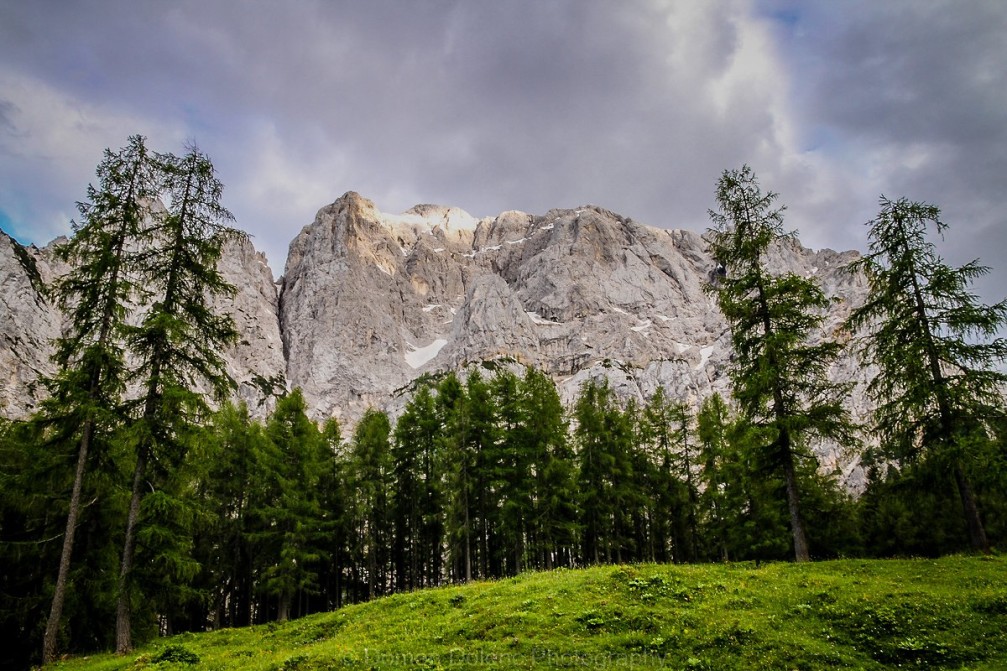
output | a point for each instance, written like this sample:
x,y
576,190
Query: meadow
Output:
x,y
948,613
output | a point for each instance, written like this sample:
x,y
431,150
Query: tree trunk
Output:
x,y
801,553
59,595
977,534
372,564
693,502
283,608
123,614
468,545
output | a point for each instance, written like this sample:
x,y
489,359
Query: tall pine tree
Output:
x,y
85,400
294,526
368,481
780,365
545,432
608,494
416,494
938,388
234,486
179,342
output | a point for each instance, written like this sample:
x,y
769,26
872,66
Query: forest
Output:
x,y
140,501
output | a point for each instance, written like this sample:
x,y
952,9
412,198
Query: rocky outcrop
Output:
x,y
371,301
256,362
30,322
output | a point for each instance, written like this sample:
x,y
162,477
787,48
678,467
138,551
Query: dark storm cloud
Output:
x,y
637,106
917,94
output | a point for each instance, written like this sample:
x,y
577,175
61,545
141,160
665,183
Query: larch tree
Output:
x,y
459,466
513,472
235,451
554,520
712,428
780,365
482,447
85,402
417,492
369,481
666,430
294,527
608,496
935,346
411,438
179,342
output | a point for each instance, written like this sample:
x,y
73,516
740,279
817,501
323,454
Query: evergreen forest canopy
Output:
x,y
125,516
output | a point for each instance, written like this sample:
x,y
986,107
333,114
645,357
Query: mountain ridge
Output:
x,y
368,302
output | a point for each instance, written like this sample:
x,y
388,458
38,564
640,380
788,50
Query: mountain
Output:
x,y
30,322
369,302
27,325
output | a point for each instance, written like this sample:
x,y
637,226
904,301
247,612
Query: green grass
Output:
x,y
946,613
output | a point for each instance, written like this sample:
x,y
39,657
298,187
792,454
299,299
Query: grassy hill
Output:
x,y
945,613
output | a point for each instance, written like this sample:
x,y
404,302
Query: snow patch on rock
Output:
x,y
419,356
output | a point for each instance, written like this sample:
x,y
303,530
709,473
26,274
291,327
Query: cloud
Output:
x,y
916,95
50,143
637,106
280,189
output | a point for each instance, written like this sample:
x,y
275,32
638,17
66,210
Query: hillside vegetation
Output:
x,y
945,613
127,515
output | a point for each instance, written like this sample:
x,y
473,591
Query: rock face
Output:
x,y
29,322
256,362
369,302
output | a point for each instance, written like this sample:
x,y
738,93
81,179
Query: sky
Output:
x,y
491,105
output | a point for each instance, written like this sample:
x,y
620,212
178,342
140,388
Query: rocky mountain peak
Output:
x,y
580,293
370,301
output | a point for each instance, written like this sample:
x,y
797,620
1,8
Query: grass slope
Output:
x,y
947,613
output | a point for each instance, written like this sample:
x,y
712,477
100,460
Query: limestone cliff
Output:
x,y
30,322
369,302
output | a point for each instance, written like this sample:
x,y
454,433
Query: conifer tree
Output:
x,y
608,496
332,499
166,570
938,388
233,488
518,457
459,465
712,431
780,366
293,529
595,463
481,444
416,494
631,529
95,295
178,344
665,429
369,480
554,517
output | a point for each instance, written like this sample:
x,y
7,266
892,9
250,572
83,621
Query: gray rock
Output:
x,y
369,302
28,324
256,362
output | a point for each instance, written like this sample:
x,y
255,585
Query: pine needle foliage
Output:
x,y
935,346
85,406
180,338
780,365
